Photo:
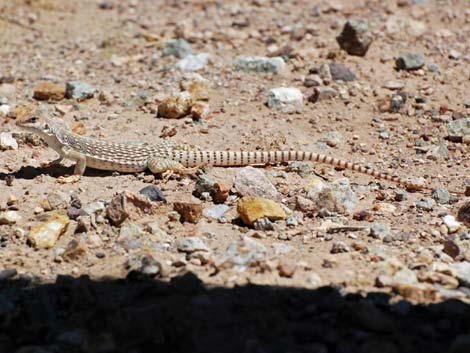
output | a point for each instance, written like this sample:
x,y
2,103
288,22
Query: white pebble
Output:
x,y
7,142
452,224
285,99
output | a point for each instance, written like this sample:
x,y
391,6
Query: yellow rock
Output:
x,y
46,234
176,106
49,91
251,208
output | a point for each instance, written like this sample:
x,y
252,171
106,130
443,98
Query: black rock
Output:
x,y
153,193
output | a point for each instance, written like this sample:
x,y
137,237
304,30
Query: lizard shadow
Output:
x,y
29,172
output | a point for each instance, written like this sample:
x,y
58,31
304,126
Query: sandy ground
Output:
x,y
116,47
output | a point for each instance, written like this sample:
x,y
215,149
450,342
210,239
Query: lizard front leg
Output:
x,y
80,160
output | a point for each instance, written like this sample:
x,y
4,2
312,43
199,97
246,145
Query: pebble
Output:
x,y
462,270
191,244
301,168
96,208
397,103
200,111
251,181
241,254
4,110
332,138
314,280
215,212
46,234
7,141
282,248
153,193
322,93
454,54
355,37
287,100
9,217
55,200
130,230
313,81
339,247
340,72
463,214
305,205
335,197
260,64
287,268
49,91
459,128
264,224
410,61
178,48
196,85
252,208
189,211
129,205
79,90
177,106
452,224
426,204
379,230
432,67
441,195
194,62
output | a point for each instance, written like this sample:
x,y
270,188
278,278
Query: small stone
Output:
x,y
282,248
55,200
264,224
463,214
287,100
194,62
178,48
433,67
241,254
190,212
216,212
7,141
153,193
340,72
74,213
394,85
339,247
4,110
314,280
379,230
250,181
397,103
322,93
454,54
252,208
313,81
410,61
441,195
49,91
196,85
301,168
6,274
79,90
451,248
426,204
191,244
287,268
462,270
176,106
9,217
200,111
355,37
95,208
336,197
363,216
128,205
452,224
260,64
459,128
332,138
305,205
46,234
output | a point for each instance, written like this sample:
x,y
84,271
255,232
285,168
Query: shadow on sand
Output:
x,y
146,315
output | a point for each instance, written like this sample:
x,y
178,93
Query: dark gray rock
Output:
x,y
355,38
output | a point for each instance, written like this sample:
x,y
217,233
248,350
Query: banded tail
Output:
x,y
242,158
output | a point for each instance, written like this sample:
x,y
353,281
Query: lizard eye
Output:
x,y
33,120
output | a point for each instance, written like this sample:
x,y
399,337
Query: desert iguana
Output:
x,y
164,157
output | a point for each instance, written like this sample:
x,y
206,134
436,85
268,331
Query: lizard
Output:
x,y
165,157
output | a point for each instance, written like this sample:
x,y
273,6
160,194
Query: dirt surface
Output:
x,y
117,47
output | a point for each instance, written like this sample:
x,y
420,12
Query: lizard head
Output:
x,y
47,129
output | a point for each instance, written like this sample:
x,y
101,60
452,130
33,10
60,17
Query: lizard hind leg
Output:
x,y
167,167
